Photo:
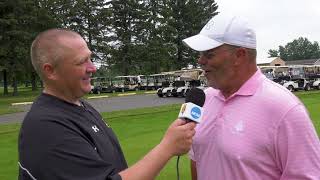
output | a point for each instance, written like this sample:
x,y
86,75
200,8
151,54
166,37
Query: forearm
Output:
x,y
148,167
176,141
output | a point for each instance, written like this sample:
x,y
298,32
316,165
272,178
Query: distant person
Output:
x,y
252,127
63,137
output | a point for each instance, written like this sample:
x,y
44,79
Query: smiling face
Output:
x,y
68,76
74,70
218,66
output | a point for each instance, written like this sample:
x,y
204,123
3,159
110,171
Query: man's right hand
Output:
x,y
176,141
178,138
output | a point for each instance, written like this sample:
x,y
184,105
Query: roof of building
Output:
x,y
303,62
266,60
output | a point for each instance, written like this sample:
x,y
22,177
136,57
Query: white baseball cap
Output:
x,y
221,30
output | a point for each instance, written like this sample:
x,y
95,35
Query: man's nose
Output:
x,y
91,67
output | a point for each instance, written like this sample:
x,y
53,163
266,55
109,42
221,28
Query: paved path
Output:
x,y
107,105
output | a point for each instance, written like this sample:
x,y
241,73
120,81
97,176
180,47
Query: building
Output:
x,y
309,62
271,61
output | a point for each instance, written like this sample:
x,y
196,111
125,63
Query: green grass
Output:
x,y
26,95
9,151
138,132
312,102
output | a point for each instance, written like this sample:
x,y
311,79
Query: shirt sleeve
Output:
x,y
297,146
67,155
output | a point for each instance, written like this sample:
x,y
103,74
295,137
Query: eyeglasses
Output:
x,y
210,53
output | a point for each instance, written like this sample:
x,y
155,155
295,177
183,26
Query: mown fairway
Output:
x,y
138,131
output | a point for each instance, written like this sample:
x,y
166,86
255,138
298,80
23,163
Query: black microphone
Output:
x,y
196,96
192,108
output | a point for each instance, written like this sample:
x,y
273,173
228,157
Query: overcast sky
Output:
x,y
277,22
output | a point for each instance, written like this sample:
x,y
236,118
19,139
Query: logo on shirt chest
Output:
x,y
238,128
95,128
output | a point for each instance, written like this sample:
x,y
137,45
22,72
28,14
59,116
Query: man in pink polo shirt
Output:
x,y
252,128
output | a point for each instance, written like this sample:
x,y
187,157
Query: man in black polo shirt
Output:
x,y
63,137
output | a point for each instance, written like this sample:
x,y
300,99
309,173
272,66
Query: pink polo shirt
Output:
x,y
261,132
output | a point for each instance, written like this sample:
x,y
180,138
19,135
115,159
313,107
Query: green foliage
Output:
x,y
298,49
126,37
20,21
183,18
273,53
149,33
88,18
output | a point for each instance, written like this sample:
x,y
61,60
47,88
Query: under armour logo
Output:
x,y
95,128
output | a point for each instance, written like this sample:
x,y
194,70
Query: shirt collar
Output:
x,y
250,87
247,89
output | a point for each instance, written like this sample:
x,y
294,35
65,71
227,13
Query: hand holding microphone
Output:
x,y
178,138
176,141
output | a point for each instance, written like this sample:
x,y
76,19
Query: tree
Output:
x,y
185,18
273,53
90,19
298,49
128,37
20,21
153,50
15,38
148,33
126,33
87,17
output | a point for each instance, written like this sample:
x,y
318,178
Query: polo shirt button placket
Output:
x,y
220,119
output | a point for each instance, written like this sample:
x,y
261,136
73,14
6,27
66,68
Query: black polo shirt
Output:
x,y
60,140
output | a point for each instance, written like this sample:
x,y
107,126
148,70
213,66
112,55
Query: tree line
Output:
x,y
125,36
298,49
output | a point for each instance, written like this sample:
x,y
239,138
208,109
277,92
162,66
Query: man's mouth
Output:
x,y
206,71
86,79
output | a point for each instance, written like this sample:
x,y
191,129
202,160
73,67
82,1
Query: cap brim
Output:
x,y
201,43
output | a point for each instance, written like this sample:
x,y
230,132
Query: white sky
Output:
x,y
277,22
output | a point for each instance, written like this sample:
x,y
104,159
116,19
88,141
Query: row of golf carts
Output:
x,y
296,77
179,88
306,84
181,78
180,83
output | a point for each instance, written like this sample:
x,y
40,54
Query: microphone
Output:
x,y
192,108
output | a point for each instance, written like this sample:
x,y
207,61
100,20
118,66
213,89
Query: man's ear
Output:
x,y
49,71
240,54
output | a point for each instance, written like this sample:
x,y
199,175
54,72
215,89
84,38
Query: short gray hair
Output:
x,y
252,52
46,48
